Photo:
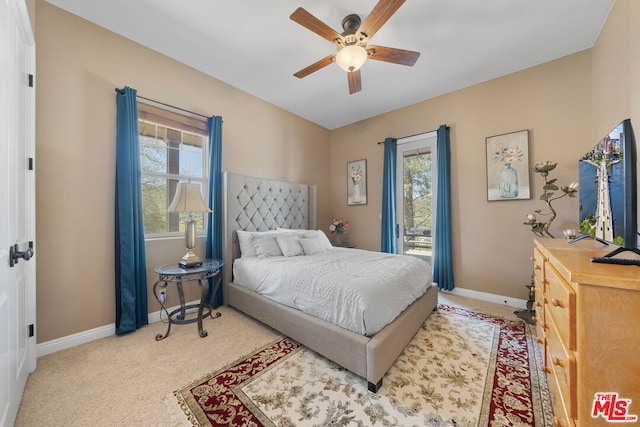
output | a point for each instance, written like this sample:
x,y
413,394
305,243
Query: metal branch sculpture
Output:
x,y
539,227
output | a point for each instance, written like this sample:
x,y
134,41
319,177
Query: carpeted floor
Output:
x,y
124,380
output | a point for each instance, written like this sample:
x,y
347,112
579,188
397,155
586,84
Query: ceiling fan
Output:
x,y
352,47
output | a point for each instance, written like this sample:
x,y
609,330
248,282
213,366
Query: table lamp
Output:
x,y
189,199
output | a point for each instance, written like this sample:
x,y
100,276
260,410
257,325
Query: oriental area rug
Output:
x,y
461,369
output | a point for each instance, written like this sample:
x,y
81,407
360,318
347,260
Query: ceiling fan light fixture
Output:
x,y
351,45
351,58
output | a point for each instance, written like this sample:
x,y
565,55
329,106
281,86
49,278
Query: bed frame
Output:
x,y
255,204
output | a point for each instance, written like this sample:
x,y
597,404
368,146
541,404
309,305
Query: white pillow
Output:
x,y
292,230
266,246
290,246
322,238
309,233
312,245
245,240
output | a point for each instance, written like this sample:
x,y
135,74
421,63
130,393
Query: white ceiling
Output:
x,y
254,46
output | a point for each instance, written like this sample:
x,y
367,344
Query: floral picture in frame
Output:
x,y
357,182
508,166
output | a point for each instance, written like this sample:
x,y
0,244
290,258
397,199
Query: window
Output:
x,y
416,178
173,148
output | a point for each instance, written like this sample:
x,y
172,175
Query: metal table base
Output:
x,y
173,273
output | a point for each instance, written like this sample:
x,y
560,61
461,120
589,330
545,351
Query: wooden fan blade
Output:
x,y
330,59
355,81
379,15
310,22
391,54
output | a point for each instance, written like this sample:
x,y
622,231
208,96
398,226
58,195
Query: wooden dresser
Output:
x,y
588,324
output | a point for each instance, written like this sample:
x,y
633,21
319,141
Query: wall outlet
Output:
x,y
163,296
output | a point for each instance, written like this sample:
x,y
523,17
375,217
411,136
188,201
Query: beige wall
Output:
x,y
491,246
616,73
78,66
616,69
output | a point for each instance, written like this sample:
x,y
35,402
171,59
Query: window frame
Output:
x,y
184,122
426,143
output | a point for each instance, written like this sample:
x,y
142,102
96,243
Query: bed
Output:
x,y
255,204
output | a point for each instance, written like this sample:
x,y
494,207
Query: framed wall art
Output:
x,y
508,166
357,182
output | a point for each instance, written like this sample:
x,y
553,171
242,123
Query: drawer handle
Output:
x,y
537,267
557,362
533,289
539,304
534,318
539,340
532,259
557,303
547,369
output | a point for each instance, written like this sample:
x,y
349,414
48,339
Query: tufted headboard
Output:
x,y
258,204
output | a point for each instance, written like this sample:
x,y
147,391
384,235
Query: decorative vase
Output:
x,y
508,182
338,239
355,197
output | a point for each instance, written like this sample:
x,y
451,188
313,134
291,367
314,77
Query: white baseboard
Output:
x,y
484,296
83,337
73,340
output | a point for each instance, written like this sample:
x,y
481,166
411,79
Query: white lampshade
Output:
x,y
188,199
351,58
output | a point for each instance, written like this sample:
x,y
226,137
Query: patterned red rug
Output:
x,y
461,369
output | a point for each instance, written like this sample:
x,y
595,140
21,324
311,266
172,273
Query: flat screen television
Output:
x,y
608,193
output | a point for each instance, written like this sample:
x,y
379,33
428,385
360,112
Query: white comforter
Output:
x,y
356,289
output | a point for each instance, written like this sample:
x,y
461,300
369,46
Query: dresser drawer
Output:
x,y
538,283
540,302
562,364
561,304
560,416
541,338
538,268
541,326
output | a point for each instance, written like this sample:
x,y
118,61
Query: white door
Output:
x,y
416,173
17,206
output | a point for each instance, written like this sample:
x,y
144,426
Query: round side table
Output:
x,y
173,273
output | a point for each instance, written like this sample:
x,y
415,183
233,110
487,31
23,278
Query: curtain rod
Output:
x,y
121,91
415,134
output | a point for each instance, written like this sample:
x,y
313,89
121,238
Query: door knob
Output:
x,y
15,255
